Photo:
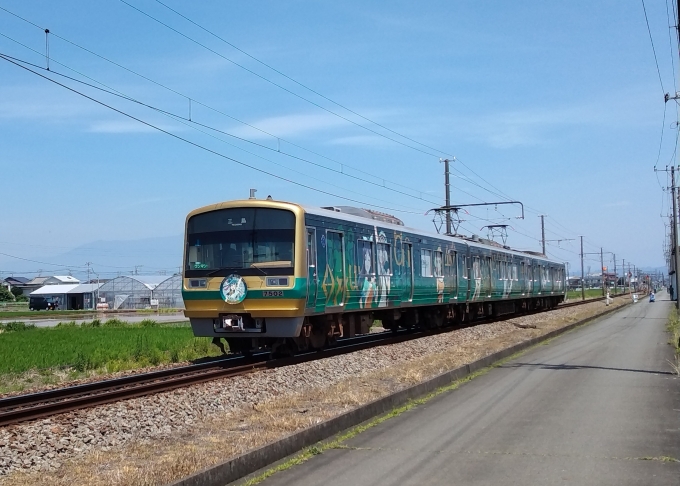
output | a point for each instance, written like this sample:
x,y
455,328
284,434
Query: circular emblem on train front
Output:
x,y
233,289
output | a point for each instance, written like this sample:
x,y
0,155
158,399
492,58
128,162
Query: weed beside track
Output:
x,y
674,331
31,356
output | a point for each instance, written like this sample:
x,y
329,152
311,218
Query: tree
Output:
x,y
5,295
16,291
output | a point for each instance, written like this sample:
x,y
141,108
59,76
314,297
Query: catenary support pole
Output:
x,y
543,233
448,195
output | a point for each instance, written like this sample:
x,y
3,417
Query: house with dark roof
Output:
x,y
37,282
16,282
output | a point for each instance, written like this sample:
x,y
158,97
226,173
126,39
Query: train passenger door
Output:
x,y
312,278
487,282
334,283
451,269
407,273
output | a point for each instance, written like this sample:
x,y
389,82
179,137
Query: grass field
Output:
x,y
74,314
69,349
45,314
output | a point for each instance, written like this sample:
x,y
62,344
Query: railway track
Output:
x,y
39,405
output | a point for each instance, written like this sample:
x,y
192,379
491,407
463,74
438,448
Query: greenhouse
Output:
x,y
168,293
141,291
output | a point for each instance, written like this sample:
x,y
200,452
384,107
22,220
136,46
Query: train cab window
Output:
x,y
384,260
426,263
254,241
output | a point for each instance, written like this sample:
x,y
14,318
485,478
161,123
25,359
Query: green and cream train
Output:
x,y
264,273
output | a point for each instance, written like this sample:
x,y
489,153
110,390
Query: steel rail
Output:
x,y
32,406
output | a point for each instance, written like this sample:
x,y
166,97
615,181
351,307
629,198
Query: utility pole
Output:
x,y
674,227
616,275
448,194
88,271
543,233
583,280
604,283
624,275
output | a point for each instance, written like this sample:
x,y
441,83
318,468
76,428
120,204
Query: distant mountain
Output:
x,y
107,258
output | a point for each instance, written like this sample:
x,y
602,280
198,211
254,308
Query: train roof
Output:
x,y
478,242
369,217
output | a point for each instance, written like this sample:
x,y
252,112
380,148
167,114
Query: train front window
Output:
x,y
251,240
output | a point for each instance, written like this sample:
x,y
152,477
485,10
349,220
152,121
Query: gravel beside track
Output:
x,y
55,450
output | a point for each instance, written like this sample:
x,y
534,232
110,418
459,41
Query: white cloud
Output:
x,y
528,127
123,126
361,140
289,125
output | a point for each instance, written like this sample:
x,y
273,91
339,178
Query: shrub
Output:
x,y
115,323
67,324
6,295
17,326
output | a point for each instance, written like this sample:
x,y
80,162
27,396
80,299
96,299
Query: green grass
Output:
x,y
46,314
104,346
673,329
79,314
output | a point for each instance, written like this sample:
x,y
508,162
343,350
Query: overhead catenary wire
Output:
x,y
290,78
206,149
191,99
198,102
497,191
651,40
264,78
189,122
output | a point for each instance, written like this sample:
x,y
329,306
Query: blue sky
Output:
x,y
555,104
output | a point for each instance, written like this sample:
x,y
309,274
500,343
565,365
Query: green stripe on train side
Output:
x,y
299,291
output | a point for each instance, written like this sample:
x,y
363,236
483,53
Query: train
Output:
x,y
273,274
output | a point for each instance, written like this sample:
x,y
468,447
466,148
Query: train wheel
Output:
x,y
318,337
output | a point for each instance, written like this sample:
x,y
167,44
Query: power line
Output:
x,y
42,263
279,139
656,61
288,77
189,123
197,145
264,78
670,44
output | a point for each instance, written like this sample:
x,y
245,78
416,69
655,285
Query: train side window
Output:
x,y
364,257
426,263
384,260
463,267
438,268
476,269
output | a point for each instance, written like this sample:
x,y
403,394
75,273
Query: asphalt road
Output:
x,y
597,406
